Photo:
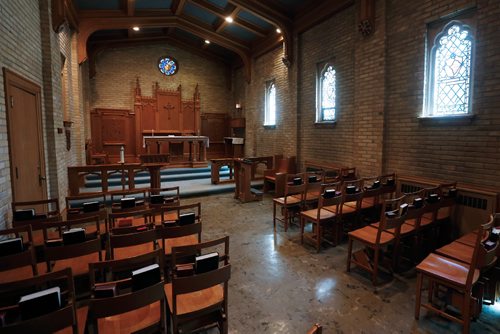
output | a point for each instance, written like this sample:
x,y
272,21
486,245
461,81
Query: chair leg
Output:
x,y
466,312
349,254
319,233
274,216
375,267
302,223
286,219
418,297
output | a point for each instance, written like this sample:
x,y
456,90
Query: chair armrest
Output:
x,y
280,183
269,172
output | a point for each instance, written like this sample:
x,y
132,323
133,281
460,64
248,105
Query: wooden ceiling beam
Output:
x,y
275,17
178,6
63,11
91,25
229,11
105,13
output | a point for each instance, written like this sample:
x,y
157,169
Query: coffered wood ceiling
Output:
x,y
188,23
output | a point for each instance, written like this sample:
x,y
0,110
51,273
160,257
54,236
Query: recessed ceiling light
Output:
x,y
136,28
278,30
207,41
229,19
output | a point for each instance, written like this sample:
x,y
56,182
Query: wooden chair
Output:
x,y
75,208
321,217
140,196
376,239
76,256
94,157
45,211
315,329
200,300
350,210
313,188
137,217
60,319
459,276
292,201
172,213
125,242
19,265
276,177
127,310
171,198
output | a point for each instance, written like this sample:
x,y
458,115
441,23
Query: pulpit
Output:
x,y
243,171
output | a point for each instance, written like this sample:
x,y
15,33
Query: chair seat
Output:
x,y
367,202
424,221
289,202
20,273
130,322
313,214
79,265
194,301
469,239
180,241
171,216
405,228
270,178
446,269
130,251
368,234
348,208
457,251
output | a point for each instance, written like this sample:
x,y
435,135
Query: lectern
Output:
x,y
243,176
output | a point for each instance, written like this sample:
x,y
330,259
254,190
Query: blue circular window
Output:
x,y
168,65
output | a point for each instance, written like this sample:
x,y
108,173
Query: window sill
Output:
x,y
447,120
325,125
269,127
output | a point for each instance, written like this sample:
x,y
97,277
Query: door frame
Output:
x,y
11,78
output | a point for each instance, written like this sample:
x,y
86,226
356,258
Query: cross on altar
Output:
x,y
168,107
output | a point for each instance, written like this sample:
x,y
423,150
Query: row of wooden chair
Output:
x,y
458,267
194,301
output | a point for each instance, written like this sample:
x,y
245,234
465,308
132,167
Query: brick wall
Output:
x,y
468,152
281,139
31,49
117,69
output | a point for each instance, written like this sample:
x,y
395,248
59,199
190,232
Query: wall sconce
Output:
x,y
238,107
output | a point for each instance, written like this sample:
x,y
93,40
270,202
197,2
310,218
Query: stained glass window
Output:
x,y
451,59
168,65
270,112
327,95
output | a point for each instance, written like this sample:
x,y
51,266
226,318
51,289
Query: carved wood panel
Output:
x,y
169,112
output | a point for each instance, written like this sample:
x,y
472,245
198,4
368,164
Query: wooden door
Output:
x,y
25,135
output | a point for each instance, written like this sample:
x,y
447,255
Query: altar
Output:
x,y
191,153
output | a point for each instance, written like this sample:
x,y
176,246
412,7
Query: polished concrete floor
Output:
x,y
280,286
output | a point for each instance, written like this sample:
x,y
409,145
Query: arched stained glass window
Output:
x,y
270,112
450,74
327,95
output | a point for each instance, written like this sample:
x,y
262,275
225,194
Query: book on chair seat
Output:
x,y
187,218
418,202
169,223
11,246
74,236
331,193
24,214
90,206
146,276
312,179
297,181
206,263
157,199
127,202
375,185
40,303
350,189
169,200
433,198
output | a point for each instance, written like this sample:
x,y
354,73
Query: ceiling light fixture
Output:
x,y
136,28
207,41
229,19
278,30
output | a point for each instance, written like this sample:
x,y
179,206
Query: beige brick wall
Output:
x,y
117,69
281,139
469,152
31,49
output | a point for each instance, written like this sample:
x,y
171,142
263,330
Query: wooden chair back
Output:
x,y
179,235
172,192
168,212
48,323
92,245
370,188
25,258
117,195
332,203
314,180
315,329
297,190
355,197
393,215
45,211
131,238
140,216
118,272
389,183
348,173
481,255
199,282
414,212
